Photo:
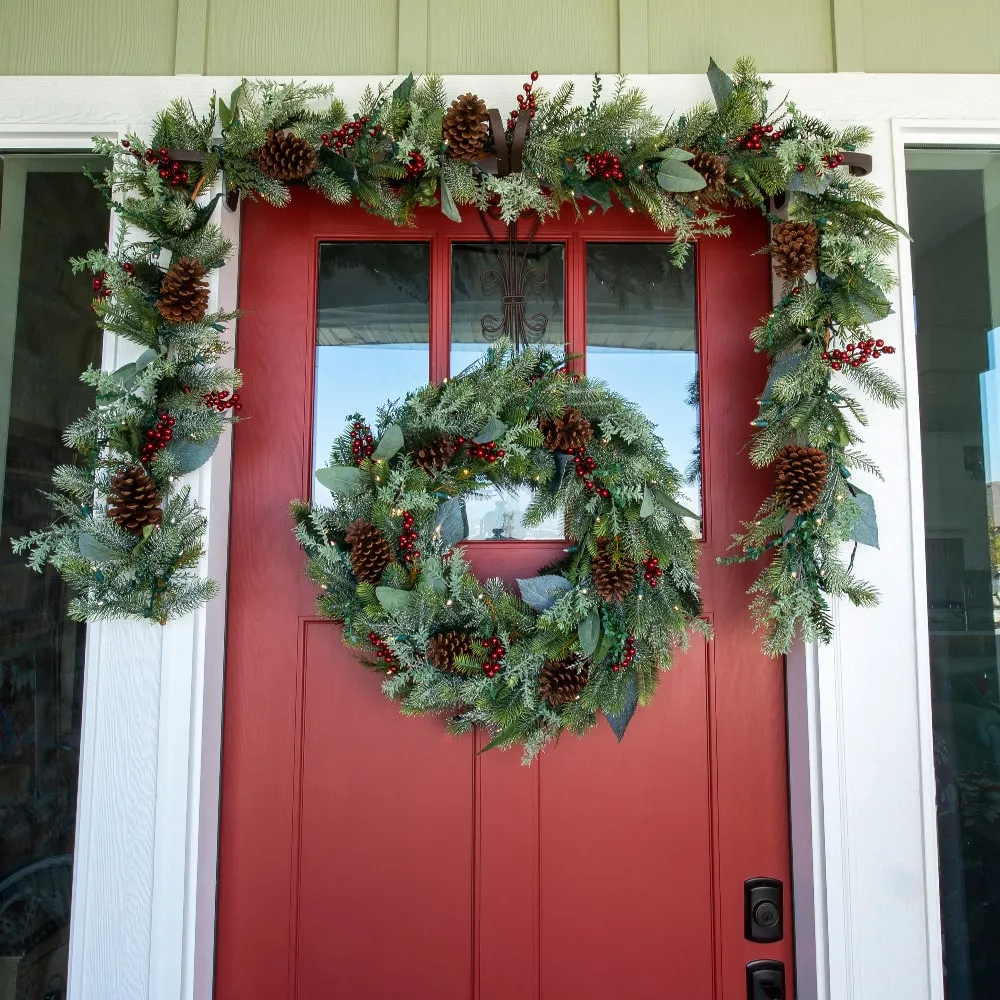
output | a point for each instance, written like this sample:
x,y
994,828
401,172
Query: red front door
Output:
x,y
367,856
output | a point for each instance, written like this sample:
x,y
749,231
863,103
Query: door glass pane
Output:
x,y
642,339
954,203
371,334
49,213
474,295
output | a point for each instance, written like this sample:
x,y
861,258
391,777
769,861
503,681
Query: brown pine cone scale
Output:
x,y
370,552
561,681
435,455
465,128
445,648
613,572
184,292
799,477
568,432
285,157
793,249
133,500
713,169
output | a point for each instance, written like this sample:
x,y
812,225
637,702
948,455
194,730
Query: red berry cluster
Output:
x,y
384,653
349,133
606,166
833,160
158,437
525,100
487,451
408,539
585,465
101,290
652,571
628,655
362,442
172,170
415,165
855,355
496,654
759,134
223,401
129,268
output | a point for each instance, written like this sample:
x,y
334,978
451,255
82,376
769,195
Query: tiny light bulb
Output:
x,y
449,602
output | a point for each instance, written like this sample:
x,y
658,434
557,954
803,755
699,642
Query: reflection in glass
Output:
x,y
49,212
494,515
642,340
372,328
953,197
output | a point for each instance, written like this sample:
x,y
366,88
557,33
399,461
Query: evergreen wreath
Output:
x,y
590,633
405,149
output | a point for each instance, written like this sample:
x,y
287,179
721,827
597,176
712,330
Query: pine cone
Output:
x,y
566,433
561,681
713,169
184,292
613,572
133,501
370,552
799,477
465,128
793,249
435,455
443,649
285,157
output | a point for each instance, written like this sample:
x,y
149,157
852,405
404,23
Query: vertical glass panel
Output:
x,y
372,327
480,273
642,339
954,199
49,212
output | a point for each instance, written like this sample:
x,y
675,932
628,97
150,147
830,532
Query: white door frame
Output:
x,y
861,769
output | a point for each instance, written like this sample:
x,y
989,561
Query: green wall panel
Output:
x,y
300,37
782,37
518,36
87,37
932,37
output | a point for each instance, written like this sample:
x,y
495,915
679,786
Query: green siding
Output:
x,y
382,37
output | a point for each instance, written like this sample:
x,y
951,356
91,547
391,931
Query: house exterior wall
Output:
x,y
373,37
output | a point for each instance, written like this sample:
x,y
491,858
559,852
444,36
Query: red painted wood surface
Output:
x,y
366,855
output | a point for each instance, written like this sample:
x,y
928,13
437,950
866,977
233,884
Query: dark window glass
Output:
x,y
642,339
954,207
372,326
478,275
49,212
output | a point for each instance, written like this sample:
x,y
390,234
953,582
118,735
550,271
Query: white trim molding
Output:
x,y
861,768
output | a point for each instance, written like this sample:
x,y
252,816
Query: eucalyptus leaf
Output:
x,y
865,527
676,176
394,601
720,82
190,455
589,633
448,205
491,431
126,374
648,502
678,508
450,523
562,463
343,168
597,191
149,355
390,442
618,721
781,367
404,89
809,181
541,592
95,551
342,479
674,153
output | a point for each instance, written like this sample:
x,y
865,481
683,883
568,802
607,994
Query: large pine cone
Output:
x,y
793,249
713,169
613,571
800,475
465,128
566,433
370,552
561,681
184,292
285,157
433,456
443,649
133,501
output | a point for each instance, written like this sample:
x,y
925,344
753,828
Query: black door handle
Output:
x,y
765,980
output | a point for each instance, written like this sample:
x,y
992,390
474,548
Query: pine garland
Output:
x,y
389,157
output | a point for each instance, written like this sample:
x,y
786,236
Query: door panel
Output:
x,y
368,855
